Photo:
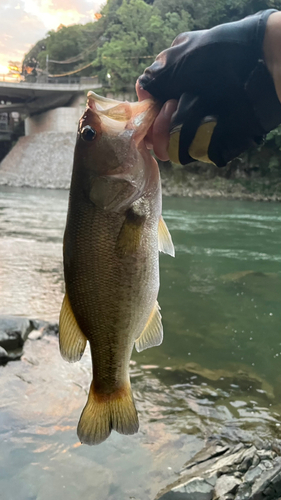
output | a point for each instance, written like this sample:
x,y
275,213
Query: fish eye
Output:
x,y
88,133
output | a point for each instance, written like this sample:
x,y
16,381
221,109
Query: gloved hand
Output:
x,y
226,97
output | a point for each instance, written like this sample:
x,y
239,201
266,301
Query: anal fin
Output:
x,y
152,334
71,339
165,243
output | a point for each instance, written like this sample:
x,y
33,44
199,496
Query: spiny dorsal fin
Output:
x,y
152,334
165,243
72,340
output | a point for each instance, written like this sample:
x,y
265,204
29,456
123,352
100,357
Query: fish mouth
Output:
x,y
123,115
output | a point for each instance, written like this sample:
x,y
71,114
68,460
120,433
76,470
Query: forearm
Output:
x,y
272,49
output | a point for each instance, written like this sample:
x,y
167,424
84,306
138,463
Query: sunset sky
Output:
x,y
24,22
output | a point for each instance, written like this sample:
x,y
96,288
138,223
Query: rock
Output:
x,y
38,324
226,485
195,489
268,485
14,331
35,335
223,472
51,329
3,356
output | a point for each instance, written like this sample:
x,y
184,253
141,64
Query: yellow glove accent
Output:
x,y
201,142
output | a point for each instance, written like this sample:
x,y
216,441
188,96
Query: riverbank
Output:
x,y
42,397
207,181
45,161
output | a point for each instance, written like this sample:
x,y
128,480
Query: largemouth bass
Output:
x,y
113,233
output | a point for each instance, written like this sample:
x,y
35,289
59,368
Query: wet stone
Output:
x,y
51,329
14,331
240,472
36,335
253,474
226,485
3,356
195,489
270,481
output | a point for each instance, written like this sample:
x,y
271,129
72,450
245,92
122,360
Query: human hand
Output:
x,y
159,133
219,96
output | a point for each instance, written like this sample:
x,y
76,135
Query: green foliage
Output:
x,y
130,33
138,34
31,59
126,39
274,138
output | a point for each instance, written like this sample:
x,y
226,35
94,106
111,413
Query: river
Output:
x,y
217,373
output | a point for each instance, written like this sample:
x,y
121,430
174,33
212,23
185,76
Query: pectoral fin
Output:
x,y
165,243
72,341
130,235
152,334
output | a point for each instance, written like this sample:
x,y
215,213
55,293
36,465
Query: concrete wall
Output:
x,y
56,120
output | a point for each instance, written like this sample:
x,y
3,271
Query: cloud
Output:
x,y
24,22
18,30
81,6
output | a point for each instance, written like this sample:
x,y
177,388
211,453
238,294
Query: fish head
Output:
x,y
110,155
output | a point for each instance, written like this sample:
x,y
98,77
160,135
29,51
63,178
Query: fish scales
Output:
x,y
111,296
111,262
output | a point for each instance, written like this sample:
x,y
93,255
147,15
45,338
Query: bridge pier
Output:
x,y
62,119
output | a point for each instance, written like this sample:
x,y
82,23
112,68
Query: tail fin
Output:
x,y
103,413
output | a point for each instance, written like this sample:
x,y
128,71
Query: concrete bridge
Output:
x,y
44,156
46,106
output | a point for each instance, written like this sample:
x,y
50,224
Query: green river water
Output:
x,y
217,373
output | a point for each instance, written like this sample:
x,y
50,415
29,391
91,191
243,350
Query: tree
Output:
x,y
138,34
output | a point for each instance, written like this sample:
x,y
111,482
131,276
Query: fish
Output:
x,y
113,234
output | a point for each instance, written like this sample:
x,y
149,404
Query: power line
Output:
x,y
89,64
72,72
78,57
130,57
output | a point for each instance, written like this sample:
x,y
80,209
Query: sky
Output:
x,y
24,22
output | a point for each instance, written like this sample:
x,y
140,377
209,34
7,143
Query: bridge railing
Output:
x,y
70,79
77,80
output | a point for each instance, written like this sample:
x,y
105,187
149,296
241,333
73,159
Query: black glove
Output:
x,y
227,99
